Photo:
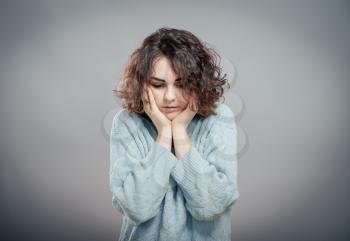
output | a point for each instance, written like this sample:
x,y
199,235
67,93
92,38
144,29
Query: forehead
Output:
x,y
162,70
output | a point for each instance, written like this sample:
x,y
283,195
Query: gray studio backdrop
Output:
x,y
289,65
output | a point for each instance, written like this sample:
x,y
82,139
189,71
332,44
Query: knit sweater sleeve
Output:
x,y
139,170
207,175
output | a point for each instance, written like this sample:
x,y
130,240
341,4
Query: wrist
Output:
x,y
164,141
176,126
165,132
164,137
180,136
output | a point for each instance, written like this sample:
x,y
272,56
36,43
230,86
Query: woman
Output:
x,y
173,166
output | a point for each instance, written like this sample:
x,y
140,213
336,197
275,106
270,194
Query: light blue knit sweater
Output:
x,y
162,198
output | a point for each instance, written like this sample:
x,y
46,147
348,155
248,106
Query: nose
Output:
x,y
169,95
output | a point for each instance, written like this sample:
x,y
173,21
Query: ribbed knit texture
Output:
x,y
162,198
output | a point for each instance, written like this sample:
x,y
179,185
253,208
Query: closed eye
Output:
x,y
158,86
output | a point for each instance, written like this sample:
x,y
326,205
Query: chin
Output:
x,y
171,116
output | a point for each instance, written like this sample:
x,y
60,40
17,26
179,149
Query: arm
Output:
x,y
182,141
139,171
208,178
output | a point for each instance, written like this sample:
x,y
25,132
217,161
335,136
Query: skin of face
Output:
x,y
167,89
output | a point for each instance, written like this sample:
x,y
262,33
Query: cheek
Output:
x,y
185,102
157,95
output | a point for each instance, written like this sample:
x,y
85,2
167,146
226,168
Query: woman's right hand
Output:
x,y
162,123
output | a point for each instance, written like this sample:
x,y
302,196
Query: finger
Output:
x,y
145,100
148,105
190,105
144,94
194,105
151,99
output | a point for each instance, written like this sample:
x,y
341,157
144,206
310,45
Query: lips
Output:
x,y
169,109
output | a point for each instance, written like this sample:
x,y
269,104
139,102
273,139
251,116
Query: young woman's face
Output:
x,y
166,89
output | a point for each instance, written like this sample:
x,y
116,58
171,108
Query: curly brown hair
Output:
x,y
194,62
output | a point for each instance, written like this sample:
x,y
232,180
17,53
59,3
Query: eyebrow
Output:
x,y
159,79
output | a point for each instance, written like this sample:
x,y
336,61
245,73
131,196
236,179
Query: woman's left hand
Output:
x,y
185,117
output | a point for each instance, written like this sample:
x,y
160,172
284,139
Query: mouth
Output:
x,y
170,109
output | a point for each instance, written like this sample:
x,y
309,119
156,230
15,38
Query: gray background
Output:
x,y
61,59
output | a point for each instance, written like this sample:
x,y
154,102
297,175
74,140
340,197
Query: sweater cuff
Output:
x,y
189,167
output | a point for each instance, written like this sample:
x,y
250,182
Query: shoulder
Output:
x,y
217,124
224,115
123,118
223,110
220,130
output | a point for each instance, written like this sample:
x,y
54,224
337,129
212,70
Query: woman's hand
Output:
x,y
159,119
185,117
182,142
162,123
